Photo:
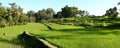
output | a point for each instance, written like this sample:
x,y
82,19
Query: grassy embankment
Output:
x,y
65,36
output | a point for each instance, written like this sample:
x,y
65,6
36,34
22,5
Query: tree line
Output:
x,y
49,13
12,15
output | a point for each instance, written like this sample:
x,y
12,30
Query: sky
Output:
x,y
94,7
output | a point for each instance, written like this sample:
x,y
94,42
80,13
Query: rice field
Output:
x,y
64,36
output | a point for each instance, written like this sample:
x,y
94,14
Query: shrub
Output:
x,y
2,22
23,19
10,21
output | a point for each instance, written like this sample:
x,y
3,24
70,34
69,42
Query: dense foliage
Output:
x,y
12,15
49,13
112,12
68,15
69,11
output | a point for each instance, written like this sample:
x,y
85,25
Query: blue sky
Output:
x,y
96,7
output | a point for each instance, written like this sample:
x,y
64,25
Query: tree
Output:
x,y
112,12
0,4
49,13
118,3
69,11
10,21
11,15
2,10
45,14
2,22
23,19
15,12
31,16
86,13
41,15
83,13
13,5
58,15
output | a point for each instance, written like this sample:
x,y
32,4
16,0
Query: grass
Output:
x,y
11,39
65,36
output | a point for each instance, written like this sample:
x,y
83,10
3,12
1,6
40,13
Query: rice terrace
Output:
x,y
59,24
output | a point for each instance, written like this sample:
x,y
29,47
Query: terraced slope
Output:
x,y
9,35
64,36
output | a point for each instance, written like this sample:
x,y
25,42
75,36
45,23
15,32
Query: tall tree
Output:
x,y
118,3
13,5
31,16
11,15
2,10
83,13
0,4
49,13
58,15
69,11
112,12
41,15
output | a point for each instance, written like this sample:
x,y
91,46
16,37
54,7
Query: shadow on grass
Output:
x,y
32,41
74,36
15,41
98,31
44,38
53,37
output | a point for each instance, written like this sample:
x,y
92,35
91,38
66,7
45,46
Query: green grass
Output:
x,y
65,36
11,39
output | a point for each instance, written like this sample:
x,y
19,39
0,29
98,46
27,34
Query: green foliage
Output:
x,y
2,11
23,19
83,13
31,14
16,19
69,11
65,36
44,14
58,15
11,15
113,26
112,12
3,22
118,3
10,21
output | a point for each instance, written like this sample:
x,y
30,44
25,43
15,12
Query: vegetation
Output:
x,y
112,12
68,28
49,14
11,15
40,15
66,37
69,11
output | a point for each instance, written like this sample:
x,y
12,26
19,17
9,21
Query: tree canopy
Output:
x,y
11,15
69,11
112,12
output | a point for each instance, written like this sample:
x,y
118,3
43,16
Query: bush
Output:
x,y
10,21
23,19
16,19
114,26
2,22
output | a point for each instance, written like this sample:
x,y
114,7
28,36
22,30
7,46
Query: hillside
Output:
x,y
65,36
